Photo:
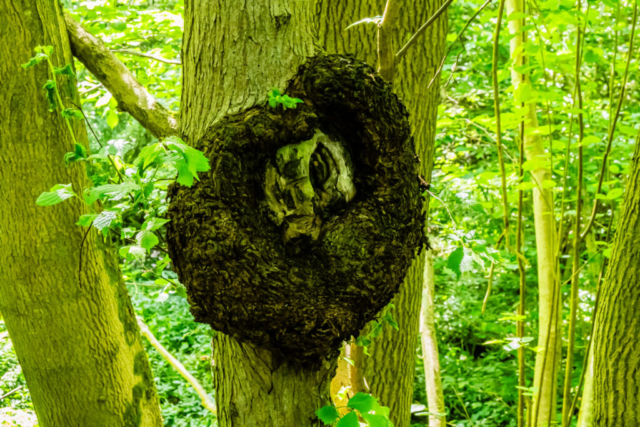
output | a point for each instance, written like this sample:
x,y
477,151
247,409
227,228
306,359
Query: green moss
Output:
x,y
301,296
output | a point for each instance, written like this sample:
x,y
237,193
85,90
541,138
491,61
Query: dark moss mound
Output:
x,y
301,297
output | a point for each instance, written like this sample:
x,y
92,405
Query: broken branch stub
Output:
x,y
309,218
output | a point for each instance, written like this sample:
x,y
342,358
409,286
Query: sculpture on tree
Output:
x,y
307,222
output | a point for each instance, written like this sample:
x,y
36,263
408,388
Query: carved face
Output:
x,y
307,179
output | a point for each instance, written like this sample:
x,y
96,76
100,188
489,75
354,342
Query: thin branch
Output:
x,y
207,402
386,58
446,55
402,52
612,128
147,55
132,97
9,393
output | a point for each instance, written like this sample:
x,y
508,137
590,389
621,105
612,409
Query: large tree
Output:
x,y
61,294
389,371
617,347
264,44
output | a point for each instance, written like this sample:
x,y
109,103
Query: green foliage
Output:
x,y
276,98
361,404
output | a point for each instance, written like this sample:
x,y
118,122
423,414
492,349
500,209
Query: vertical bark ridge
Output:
x,y
389,371
233,54
617,330
74,332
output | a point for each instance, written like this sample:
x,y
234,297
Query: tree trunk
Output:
x,y
74,331
389,371
547,362
585,416
232,57
435,395
617,347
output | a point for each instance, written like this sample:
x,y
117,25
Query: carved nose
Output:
x,y
306,180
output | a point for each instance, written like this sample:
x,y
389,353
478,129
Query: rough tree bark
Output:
x,y
547,361
617,347
74,331
230,65
390,370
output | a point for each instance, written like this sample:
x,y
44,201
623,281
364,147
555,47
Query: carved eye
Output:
x,y
321,167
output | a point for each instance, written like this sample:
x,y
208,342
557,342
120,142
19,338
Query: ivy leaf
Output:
x,y
147,239
349,420
71,113
50,90
38,58
363,402
57,194
328,414
67,70
455,260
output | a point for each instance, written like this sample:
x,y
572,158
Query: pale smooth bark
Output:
x,y
585,416
74,331
132,97
390,369
546,381
617,347
433,384
232,56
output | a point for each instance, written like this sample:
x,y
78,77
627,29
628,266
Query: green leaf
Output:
x,y
71,113
328,414
455,260
363,402
86,220
349,420
154,224
50,90
591,139
35,60
114,191
375,420
67,70
273,103
185,177
147,239
57,194
132,252
104,220
112,118
149,154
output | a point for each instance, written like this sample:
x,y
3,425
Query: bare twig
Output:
x,y
402,52
15,390
446,55
132,97
207,402
147,55
612,128
386,58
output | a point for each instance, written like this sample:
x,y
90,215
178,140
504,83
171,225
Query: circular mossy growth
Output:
x,y
309,218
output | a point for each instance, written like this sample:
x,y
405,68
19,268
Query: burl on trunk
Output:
x,y
307,222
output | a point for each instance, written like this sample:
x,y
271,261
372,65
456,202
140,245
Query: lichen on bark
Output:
x,y
300,296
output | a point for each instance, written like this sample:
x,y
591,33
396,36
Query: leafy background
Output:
x,y
477,350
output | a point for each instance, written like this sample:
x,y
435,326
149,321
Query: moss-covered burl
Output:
x,y
305,225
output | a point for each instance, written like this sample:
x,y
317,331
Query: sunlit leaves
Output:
x,y
58,193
